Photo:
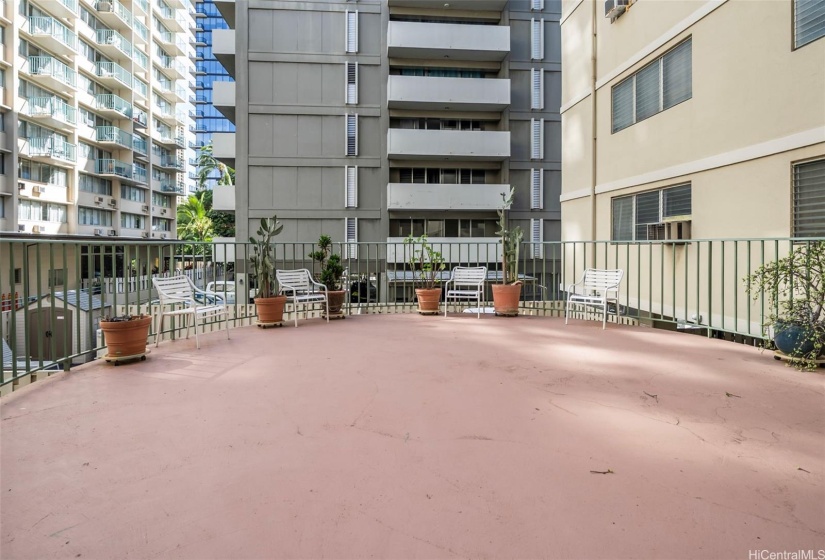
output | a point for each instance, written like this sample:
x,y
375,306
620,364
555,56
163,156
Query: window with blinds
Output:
x,y
537,39
352,135
537,237
351,70
633,215
536,189
537,138
352,31
665,82
537,88
351,186
351,237
809,199
808,21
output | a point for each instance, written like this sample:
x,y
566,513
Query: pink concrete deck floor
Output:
x,y
419,437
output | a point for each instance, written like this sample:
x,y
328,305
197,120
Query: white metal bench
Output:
x,y
300,288
179,291
596,285
467,284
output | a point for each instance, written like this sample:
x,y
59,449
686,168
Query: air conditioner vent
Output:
x,y
615,8
98,232
21,227
112,232
677,230
98,200
37,229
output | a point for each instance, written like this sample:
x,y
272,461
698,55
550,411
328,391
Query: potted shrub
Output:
x,y
507,294
794,287
331,275
270,307
426,264
125,336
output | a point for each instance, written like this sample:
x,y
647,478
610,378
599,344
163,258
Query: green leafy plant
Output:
x,y
425,262
332,271
263,257
794,287
510,241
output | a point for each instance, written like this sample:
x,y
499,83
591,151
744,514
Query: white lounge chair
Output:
x,y
179,291
596,285
467,284
300,288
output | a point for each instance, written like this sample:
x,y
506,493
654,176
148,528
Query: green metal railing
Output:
x,y
114,103
42,25
50,107
114,70
114,135
53,147
114,39
49,66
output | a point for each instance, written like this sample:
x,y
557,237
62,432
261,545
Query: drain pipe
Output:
x,y
594,124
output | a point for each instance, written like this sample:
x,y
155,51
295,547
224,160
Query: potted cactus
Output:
x,y
331,275
507,294
426,264
270,307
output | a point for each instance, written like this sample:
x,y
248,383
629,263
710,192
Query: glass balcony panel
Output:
x,y
140,145
114,135
114,103
56,148
50,66
143,5
115,39
114,70
141,30
141,88
139,174
141,59
51,107
39,25
113,167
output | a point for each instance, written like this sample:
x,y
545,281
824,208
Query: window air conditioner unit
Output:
x,y
145,208
145,234
37,189
163,211
675,230
113,203
21,227
615,8
104,6
163,236
21,186
37,229
99,200
112,233
98,232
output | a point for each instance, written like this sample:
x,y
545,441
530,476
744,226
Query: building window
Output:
x,y
161,224
351,186
665,82
537,39
57,277
352,135
93,217
809,199
37,211
352,31
131,221
135,194
96,185
352,82
632,215
808,21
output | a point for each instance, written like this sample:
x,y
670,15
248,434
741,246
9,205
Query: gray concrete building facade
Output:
x,y
369,120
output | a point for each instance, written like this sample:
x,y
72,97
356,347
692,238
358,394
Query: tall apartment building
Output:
x,y
96,109
693,119
370,120
208,70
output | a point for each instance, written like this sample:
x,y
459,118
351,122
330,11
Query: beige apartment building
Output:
x,y
695,119
96,116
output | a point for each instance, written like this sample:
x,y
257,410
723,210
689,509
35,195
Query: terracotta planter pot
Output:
x,y
428,299
126,338
271,309
506,298
336,301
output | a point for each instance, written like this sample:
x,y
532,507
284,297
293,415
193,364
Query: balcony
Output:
x,y
223,48
174,20
139,175
223,147
51,111
114,14
223,198
53,35
447,145
113,44
174,43
114,168
227,10
407,39
173,68
113,75
488,5
223,98
143,5
115,136
169,186
429,196
141,35
171,162
65,9
113,106
51,73
50,148
139,118
425,93
140,146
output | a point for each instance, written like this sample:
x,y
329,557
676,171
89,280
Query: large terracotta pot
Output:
x,y
506,298
336,301
428,299
126,338
271,309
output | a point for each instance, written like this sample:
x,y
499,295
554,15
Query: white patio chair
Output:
x,y
467,284
596,286
299,288
178,292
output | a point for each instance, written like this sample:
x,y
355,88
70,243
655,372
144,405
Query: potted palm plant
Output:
x,y
270,307
794,287
125,336
426,264
507,294
331,275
